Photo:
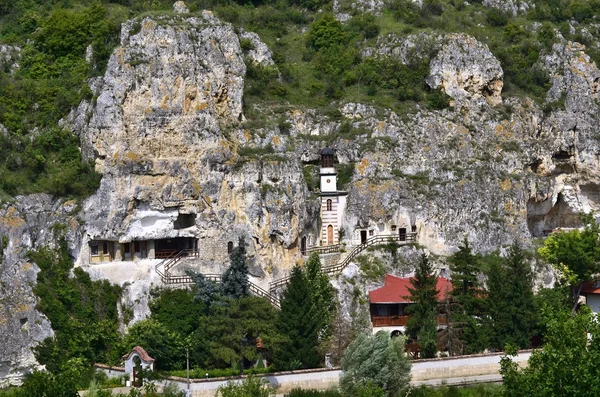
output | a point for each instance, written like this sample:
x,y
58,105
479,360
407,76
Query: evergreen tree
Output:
x,y
307,309
510,300
467,299
422,324
235,278
299,330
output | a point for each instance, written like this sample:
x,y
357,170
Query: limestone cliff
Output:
x,y
166,130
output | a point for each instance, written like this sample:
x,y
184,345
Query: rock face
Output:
x,y
165,134
25,225
465,69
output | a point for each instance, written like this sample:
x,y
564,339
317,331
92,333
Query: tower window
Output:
x,y
230,247
329,205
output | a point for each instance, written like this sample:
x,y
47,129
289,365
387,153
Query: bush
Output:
x,y
249,387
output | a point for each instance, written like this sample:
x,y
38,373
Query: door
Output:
x,y
303,245
363,236
402,234
329,235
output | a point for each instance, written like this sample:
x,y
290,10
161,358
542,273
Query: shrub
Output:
x,y
249,387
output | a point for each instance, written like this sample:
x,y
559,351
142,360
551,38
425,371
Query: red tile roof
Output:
x,y
592,288
395,290
141,352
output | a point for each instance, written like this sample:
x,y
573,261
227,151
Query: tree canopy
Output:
x,y
422,323
576,254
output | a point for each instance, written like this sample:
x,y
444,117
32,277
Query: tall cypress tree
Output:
x,y
235,278
467,296
422,325
510,300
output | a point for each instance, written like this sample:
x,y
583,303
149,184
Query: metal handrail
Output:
x,y
218,278
404,239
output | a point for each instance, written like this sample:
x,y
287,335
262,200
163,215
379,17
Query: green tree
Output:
x,y
177,310
165,346
422,323
230,330
83,313
467,301
375,360
567,364
576,254
307,309
44,384
235,279
510,300
249,387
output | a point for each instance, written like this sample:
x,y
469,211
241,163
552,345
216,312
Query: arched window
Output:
x,y
230,247
329,205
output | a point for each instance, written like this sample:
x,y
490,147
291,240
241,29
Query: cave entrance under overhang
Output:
x,y
167,246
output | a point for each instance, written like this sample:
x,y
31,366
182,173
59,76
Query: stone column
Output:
x,y
151,249
118,252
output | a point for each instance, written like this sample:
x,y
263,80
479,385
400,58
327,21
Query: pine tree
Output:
x,y
299,329
235,279
307,309
467,294
422,324
510,300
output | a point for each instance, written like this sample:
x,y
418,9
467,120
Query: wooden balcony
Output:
x,y
395,321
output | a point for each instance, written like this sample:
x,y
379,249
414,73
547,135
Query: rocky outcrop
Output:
x,y
465,69
512,7
27,224
9,58
165,133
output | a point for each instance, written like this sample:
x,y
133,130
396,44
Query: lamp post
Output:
x,y
187,361
242,344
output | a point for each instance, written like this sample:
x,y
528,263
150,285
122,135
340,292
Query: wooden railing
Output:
x,y
392,321
333,270
168,263
326,249
162,254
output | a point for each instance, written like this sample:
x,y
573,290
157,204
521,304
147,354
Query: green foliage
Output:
x,y
567,364
371,267
249,387
83,313
467,296
327,32
313,393
307,308
165,346
199,373
373,362
488,390
177,310
235,279
576,254
510,300
44,384
422,323
227,335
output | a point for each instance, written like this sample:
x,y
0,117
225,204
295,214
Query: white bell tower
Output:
x,y
333,201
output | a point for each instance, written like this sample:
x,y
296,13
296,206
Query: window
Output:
x,y
95,249
329,205
126,248
136,246
413,228
105,248
371,232
394,228
230,247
